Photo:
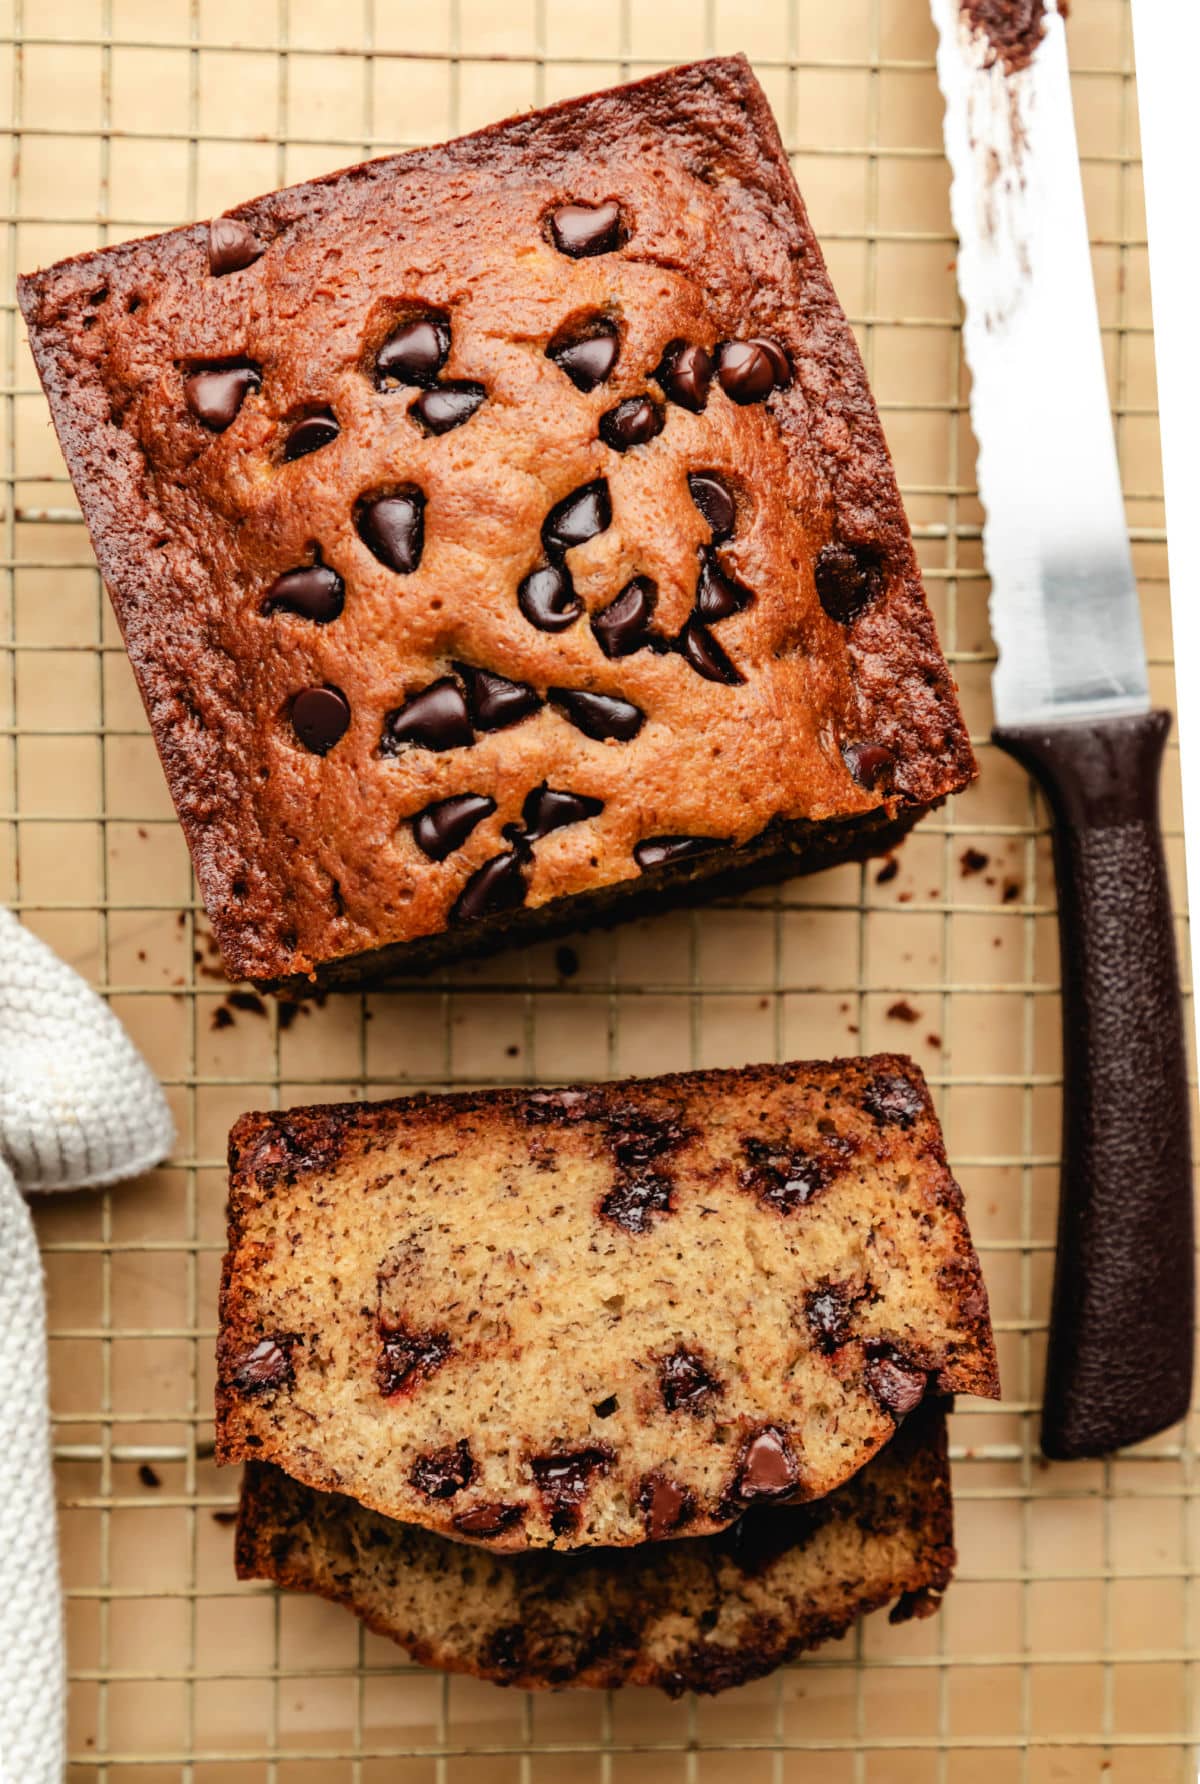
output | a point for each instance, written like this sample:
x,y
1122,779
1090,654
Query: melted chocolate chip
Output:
x,y
605,1408
564,1482
705,655
494,701
444,1472
634,1201
581,230
578,518
896,1383
547,599
435,719
587,362
314,592
656,851
216,393
598,715
848,578
447,406
392,527
714,501
718,596
767,1468
828,1311
784,1177
624,625
869,763
231,246
684,1382
631,423
309,435
666,1505
488,1520
685,375
445,826
267,1364
549,808
750,370
407,1358
892,1100
415,353
637,1135
320,717
499,885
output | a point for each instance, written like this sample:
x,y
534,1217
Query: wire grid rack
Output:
x,y
1067,1649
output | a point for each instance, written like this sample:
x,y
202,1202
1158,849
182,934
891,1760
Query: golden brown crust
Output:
x,y
719,1284
700,1615
307,863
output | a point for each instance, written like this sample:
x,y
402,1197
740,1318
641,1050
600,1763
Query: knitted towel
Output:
x,y
78,1107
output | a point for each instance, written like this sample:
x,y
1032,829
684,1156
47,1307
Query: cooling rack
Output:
x,y
1067,1650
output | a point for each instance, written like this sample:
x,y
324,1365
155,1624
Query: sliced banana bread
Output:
x,y
685,1616
601,1315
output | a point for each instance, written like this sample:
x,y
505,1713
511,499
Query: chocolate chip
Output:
x,y
392,527
215,394
499,885
638,1135
892,1100
750,370
783,1176
828,1312
624,625
446,824
848,578
309,435
447,406
605,1408
767,1468
564,1481
231,246
665,1503
407,1357
589,361
320,716
584,229
435,719
415,353
444,1472
487,1520
684,1382
656,851
634,1201
267,1364
549,808
578,518
897,1384
598,715
314,592
547,599
869,763
631,423
494,701
714,501
705,655
685,374
718,596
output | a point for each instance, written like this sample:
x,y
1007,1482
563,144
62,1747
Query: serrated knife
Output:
x,y
1072,705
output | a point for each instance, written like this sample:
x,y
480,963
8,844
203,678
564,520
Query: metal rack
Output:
x,y
1068,1648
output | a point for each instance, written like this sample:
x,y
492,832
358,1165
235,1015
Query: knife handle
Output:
x,y
1119,1365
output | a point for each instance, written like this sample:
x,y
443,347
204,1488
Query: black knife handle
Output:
x,y
1119,1365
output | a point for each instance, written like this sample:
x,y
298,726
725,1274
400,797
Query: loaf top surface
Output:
x,y
699,1615
596,1316
539,463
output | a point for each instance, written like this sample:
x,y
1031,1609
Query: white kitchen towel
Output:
x,y
78,1108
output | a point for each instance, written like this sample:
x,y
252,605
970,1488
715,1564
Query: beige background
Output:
x,y
1067,1650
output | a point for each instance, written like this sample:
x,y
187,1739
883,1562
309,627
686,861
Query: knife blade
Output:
x,y
1071,700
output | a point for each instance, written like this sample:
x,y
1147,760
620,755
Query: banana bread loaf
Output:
x,y
697,1615
596,1316
502,535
